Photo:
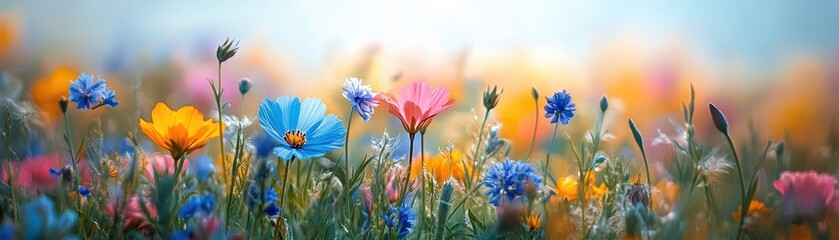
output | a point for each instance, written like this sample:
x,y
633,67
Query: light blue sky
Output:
x,y
759,32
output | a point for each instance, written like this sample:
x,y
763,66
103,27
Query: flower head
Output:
x,y
402,217
807,196
638,194
560,108
201,205
491,97
300,128
361,97
417,104
43,223
450,164
46,91
87,93
179,131
507,180
226,50
533,221
162,164
133,212
202,168
269,200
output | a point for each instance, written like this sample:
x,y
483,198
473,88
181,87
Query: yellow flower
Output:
x,y
566,188
47,91
181,131
445,165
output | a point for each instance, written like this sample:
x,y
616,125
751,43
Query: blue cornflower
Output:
x,y
202,168
403,217
300,128
41,221
270,198
361,97
263,145
84,191
88,93
506,180
197,205
560,107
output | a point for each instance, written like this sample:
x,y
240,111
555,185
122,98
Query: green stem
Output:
x,y
550,149
535,127
282,199
76,179
744,202
347,173
411,136
422,185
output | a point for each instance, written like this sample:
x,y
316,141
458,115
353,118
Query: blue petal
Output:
x,y
311,112
271,119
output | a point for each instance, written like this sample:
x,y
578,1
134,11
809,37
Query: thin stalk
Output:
x,y
535,127
422,183
76,173
480,137
282,199
410,163
744,202
218,93
550,149
348,171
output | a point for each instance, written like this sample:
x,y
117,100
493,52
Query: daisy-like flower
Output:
x,y
506,181
361,97
417,104
300,128
403,217
560,108
90,94
179,131
807,197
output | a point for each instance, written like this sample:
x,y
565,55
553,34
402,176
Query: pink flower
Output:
x,y
162,164
133,214
807,196
417,104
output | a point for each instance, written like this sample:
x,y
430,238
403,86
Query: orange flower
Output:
x,y
533,221
181,131
443,166
47,91
756,209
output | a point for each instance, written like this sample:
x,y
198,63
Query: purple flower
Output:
x,y
361,97
560,108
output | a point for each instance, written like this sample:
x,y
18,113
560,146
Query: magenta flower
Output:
x,y
417,104
807,196
162,164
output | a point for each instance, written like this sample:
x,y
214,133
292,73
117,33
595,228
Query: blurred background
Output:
x,y
773,64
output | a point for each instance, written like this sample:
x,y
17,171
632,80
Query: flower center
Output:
x,y
295,139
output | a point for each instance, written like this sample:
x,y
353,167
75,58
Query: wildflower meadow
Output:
x,y
209,147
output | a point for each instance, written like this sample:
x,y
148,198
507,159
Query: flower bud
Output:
x,y
245,85
226,50
636,134
491,97
604,104
719,119
534,93
63,104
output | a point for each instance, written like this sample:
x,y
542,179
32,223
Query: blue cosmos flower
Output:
x,y
88,93
202,168
560,108
300,128
403,217
361,97
197,205
506,180
41,221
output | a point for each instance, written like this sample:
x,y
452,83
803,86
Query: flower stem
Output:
x,y
550,149
743,201
76,179
282,199
535,127
422,185
404,193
